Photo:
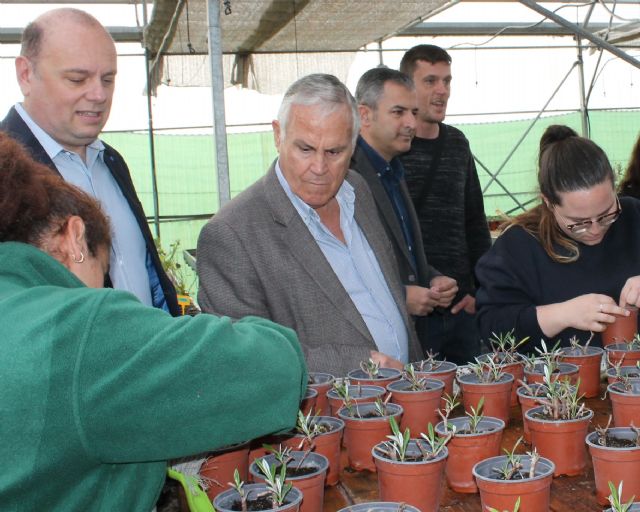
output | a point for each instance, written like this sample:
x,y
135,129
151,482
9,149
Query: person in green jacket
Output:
x,y
98,391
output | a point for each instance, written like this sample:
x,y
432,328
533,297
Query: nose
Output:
x,y
319,163
441,87
410,120
97,91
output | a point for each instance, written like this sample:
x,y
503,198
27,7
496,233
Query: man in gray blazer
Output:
x,y
303,246
387,105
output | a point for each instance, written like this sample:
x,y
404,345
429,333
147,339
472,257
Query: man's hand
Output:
x,y
386,361
467,303
446,288
421,300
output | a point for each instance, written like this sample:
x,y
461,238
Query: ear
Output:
x,y
365,115
275,124
24,74
546,201
73,245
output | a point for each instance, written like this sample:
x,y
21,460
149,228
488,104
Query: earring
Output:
x,y
79,260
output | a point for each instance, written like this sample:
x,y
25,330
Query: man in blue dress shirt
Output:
x,y
303,246
387,106
66,70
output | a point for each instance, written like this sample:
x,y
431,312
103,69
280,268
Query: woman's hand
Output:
x,y
630,294
590,312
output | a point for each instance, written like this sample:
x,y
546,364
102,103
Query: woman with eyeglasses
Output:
x,y
567,266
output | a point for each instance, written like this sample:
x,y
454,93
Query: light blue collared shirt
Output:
x,y
357,268
128,265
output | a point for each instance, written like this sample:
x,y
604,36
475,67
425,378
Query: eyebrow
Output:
x,y
583,219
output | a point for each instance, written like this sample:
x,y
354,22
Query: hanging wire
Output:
x,y
295,35
190,47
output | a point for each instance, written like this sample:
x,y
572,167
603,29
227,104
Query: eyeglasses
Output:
x,y
577,228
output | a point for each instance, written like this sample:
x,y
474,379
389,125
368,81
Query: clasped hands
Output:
x,y
422,301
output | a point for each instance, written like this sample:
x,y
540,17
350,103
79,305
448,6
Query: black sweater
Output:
x,y
452,219
516,275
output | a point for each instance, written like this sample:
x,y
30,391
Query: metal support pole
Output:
x,y
584,115
217,92
152,147
380,53
598,41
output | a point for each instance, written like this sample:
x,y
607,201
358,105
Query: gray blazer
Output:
x,y
257,257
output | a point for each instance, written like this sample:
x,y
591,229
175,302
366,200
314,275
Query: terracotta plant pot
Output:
x,y
534,493
384,377
625,403
611,464
322,383
628,353
379,506
359,394
623,329
224,502
562,441
418,483
497,395
588,368
310,485
466,450
419,407
632,373
513,368
308,403
328,444
217,470
566,371
362,433
441,370
528,401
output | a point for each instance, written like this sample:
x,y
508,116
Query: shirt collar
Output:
x,y
51,147
345,197
392,169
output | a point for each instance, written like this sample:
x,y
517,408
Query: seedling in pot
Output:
x,y
615,499
238,485
371,368
450,403
562,401
309,427
486,371
430,363
341,387
550,358
416,383
505,347
516,507
434,443
604,439
381,406
275,481
475,416
396,447
574,343
512,467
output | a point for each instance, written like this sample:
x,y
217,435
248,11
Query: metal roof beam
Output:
x,y
489,29
12,35
598,41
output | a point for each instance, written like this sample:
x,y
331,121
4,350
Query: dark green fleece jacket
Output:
x,y
97,391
